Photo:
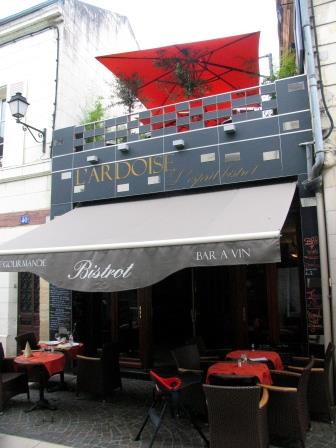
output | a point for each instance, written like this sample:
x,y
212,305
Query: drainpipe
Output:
x,y
314,181
56,87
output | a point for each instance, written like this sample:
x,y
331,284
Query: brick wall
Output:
x,y
34,217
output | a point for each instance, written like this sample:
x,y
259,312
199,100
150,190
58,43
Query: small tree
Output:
x,y
90,116
183,71
126,90
287,65
96,113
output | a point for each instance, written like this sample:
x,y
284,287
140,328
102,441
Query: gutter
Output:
x,y
28,11
314,181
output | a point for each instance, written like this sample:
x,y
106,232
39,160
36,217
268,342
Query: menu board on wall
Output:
x,y
60,309
312,270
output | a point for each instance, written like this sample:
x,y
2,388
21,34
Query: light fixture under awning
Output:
x,y
127,245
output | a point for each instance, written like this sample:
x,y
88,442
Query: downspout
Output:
x,y
314,181
56,88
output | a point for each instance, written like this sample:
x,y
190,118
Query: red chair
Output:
x,y
167,394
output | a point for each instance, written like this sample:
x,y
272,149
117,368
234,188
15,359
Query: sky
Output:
x,y
157,23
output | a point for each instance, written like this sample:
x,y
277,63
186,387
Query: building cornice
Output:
x,y
23,172
32,22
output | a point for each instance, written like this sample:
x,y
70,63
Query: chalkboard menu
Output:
x,y
312,272
60,309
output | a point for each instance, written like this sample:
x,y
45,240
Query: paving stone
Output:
x,y
85,422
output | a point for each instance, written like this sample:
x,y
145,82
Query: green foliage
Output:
x,y
96,113
287,65
184,72
91,116
187,79
126,89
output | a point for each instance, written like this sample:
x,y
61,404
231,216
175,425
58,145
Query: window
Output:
x,y
28,303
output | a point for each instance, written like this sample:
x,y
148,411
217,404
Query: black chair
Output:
x,y
99,375
23,338
180,396
11,382
215,354
217,379
288,416
320,401
187,359
237,416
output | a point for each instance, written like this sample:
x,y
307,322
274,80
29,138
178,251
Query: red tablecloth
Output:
x,y
72,351
53,362
230,368
251,354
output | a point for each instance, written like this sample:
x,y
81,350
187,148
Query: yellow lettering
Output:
x,y
155,162
118,170
141,161
167,161
241,172
202,178
79,181
174,178
94,175
105,172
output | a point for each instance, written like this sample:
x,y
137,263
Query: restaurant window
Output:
x,y
28,303
2,120
128,322
290,306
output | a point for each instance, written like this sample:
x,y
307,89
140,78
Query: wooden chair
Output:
x,y
11,382
237,416
23,338
320,401
288,416
99,376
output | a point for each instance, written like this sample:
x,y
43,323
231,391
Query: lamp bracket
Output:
x,y
40,133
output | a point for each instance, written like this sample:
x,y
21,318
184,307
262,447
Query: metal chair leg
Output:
x,y
155,418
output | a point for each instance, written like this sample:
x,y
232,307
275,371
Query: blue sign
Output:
x,y
24,219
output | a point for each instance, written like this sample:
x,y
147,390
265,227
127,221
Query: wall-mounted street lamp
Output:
x,y
18,105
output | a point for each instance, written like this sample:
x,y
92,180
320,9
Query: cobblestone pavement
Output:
x,y
87,423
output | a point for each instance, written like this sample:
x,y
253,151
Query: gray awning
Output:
x,y
126,245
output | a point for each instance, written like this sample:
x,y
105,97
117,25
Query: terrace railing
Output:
x,y
236,106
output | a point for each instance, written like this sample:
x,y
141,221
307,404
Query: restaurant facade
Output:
x,y
183,221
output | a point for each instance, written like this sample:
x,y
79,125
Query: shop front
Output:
x,y
207,232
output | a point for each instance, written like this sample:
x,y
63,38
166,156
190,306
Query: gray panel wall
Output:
x,y
270,121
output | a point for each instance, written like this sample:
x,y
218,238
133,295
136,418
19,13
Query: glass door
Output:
x,y
128,316
29,304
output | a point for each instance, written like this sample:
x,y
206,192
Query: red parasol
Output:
x,y
179,72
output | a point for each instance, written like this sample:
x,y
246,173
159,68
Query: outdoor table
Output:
x,y
258,355
261,371
77,348
70,352
47,364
